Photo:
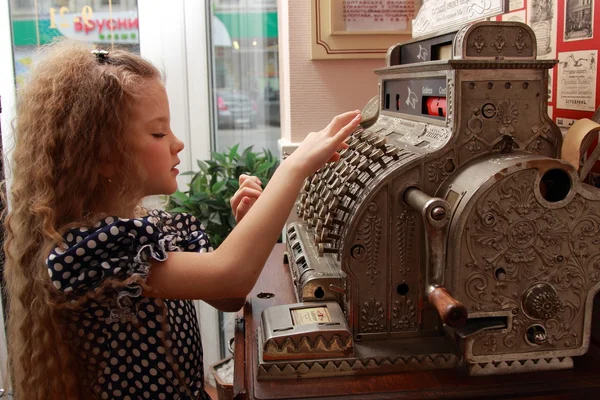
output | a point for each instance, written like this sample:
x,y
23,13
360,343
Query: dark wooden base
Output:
x,y
581,382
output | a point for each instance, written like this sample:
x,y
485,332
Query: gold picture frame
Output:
x,y
330,38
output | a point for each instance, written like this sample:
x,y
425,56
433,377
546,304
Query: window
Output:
x,y
245,78
39,22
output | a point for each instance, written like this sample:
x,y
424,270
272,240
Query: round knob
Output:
x,y
541,301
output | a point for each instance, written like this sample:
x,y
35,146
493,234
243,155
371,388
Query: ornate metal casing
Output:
x,y
452,201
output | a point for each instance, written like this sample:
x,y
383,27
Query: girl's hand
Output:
x,y
321,147
245,197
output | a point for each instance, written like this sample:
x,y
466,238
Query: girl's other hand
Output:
x,y
245,197
321,147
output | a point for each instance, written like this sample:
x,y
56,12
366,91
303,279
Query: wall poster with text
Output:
x,y
577,80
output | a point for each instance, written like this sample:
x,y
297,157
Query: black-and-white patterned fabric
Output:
x,y
132,347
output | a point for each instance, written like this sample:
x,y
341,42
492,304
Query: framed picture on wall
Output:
x,y
359,29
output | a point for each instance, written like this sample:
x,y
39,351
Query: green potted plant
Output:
x,y
215,183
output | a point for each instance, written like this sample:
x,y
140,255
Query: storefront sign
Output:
x,y
100,27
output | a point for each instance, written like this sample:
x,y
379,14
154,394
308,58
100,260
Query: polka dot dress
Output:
x,y
131,347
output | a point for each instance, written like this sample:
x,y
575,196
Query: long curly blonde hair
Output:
x,y
72,113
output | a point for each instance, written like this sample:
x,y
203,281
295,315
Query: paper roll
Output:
x,y
578,139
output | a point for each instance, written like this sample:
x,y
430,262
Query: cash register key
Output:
x,y
345,170
303,197
330,220
335,184
392,151
379,142
366,150
353,178
328,236
323,211
353,143
361,146
323,249
377,156
355,160
306,185
320,225
345,191
364,166
337,205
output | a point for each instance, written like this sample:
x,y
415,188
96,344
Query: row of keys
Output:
x,y
328,196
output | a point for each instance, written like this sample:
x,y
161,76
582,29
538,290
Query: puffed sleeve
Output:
x,y
120,249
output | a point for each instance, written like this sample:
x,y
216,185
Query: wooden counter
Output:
x,y
582,382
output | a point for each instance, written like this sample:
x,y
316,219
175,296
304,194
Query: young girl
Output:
x,y
99,290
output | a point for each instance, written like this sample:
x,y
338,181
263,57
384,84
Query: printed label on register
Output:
x,y
304,316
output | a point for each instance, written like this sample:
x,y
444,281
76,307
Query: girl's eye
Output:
x,y
159,135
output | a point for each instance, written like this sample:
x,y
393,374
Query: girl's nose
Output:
x,y
177,145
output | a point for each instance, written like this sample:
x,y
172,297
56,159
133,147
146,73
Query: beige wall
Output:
x,y
313,92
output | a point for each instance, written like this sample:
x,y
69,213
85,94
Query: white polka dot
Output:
x,y
58,267
92,273
50,272
91,244
69,259
149,229
103,237
137,223
66,275
56,284
114,230
80,251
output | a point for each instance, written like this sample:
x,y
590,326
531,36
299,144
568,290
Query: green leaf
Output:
x,y
203,166
218,187
264,167
233,154
179,209
215,218
219,157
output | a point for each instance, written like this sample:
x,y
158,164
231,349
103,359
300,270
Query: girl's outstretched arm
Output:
x,y
233,268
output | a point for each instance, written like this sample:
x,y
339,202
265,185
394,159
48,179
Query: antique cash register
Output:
x,y
450,234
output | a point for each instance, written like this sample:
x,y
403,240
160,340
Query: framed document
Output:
x,y
359,28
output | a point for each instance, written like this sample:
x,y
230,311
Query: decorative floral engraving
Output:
x,y
404,314
499,44
478,43
508,111
371,314
473,146
513,242
545,305
371,233
490,345
437,169
405,231
520,43
475,123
